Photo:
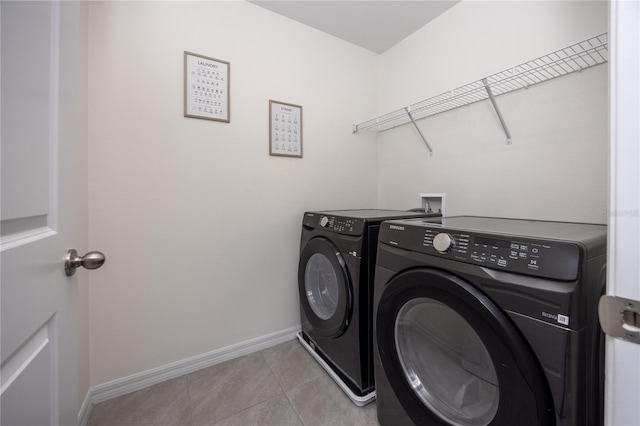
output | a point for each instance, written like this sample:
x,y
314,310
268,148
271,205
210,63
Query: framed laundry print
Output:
x,y
285,129
206,87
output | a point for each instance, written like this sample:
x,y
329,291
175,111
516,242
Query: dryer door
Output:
x,y
453,357
326,294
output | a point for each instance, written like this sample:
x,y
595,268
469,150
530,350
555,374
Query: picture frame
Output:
x,y
285,129
206,87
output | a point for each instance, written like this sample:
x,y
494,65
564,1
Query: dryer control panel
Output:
x,y
530,256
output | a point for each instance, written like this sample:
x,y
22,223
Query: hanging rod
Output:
x,y
576,57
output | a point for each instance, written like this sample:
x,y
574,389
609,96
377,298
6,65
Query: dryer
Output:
x,y
487,321
335,284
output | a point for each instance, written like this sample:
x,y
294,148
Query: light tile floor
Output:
x,y
282,385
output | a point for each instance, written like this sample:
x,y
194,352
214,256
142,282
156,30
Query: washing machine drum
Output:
x,y
326,293
453,358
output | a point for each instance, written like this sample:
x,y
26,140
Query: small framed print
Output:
x,y
206,87
285,129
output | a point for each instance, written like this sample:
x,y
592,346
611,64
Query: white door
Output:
x,y
623,358
43,208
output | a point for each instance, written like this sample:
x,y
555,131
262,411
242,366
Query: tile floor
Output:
x,y
282,385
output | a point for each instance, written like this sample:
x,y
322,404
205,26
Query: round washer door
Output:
x,y
326,294
453,357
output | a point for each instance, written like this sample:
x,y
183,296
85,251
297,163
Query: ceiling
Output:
x,y
375,25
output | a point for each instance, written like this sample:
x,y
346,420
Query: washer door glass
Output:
x,y
321,286
324,286
446,363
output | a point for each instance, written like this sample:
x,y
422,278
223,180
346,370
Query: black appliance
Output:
x,y
335,283
487,321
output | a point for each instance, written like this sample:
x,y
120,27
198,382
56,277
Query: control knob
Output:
x,y
443,243
324,221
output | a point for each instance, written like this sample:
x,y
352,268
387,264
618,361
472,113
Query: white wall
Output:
x,y
556,168
199,224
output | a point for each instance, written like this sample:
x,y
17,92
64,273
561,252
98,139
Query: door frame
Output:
x,y
622,385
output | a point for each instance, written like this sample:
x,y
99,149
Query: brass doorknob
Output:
x,y
91,260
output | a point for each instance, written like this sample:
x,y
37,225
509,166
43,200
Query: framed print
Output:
x,y
206,87
285,129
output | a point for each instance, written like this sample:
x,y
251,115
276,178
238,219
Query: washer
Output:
x,y
487,321
335,283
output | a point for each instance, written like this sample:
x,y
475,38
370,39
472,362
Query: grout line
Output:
x,y
286,394
293,407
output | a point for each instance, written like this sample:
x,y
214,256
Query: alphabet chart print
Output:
x,y
285,131
206,88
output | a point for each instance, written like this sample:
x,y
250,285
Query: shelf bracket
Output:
x,y
495,106
418,129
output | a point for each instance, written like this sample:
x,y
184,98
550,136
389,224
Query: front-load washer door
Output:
x,y
326,293
452,357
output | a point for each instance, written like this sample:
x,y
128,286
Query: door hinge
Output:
x,y
620,317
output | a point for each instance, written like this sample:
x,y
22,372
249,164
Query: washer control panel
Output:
x,y
338,224
542,258
444,242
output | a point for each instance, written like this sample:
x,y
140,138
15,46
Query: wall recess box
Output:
x,y
433,203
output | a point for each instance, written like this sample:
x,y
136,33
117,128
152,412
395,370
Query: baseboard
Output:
x,y
105,391
85,410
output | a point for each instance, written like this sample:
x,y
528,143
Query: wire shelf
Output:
x,y
579,56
